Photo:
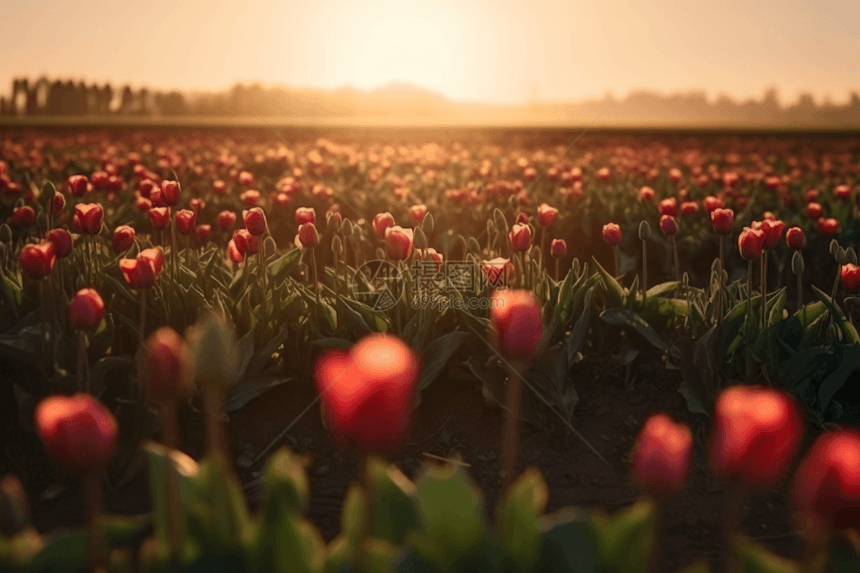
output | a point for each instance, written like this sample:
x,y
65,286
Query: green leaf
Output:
x,y
395,511
517,521
626,317
248,389
437,354
810,312
338,343
218,516
625,539
580,329
285,264
756,559
662,289
848,363
849,333
121,289
614,292
352,518
185,470
844,555
568,543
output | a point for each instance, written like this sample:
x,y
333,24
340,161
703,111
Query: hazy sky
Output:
x,y
489,51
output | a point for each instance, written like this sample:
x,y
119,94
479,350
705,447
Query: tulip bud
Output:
x,y
382,222
337,245
213,353
751,243
57,203
38,260
420,240
558,248
305,215
398,242
308,235
170,192
203,233
167,364
797,265
795,238
86,309
123,238
159,217
518,324
429,223
756,434
255,221
668,225
77,431
547,215
850,277
62,241
186,219
77,185
418,212
5,233
662,456
520,238
644,231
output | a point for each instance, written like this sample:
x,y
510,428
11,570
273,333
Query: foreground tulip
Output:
x,y
756,433
62,241
78,432
826,487
722,220
368,392
86,309
518,324
122,238
89,217
382,222
159,217
246,243
255,221
308,236
662,456
23,216
141,273
38,260
398,243
850,277
668,225
751,243
418,213
167,366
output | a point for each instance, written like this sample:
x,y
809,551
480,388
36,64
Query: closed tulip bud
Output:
x,y
517,323
418,212
826,488
368,392
77,185
170,192
757,431
62,241
669,207
722,220
813,210
227,220
662,456
420,239
305,215
213,352
795,238
382,222
38,260
333,221
850,277
751,243
5,233
123,238
203,233
797,265
167,364
520,238
159,217
86,309
612,234
558,248
668,225
398,243
337,245
308,236
644,231
429,223
23,217
78,432
547,215
246,242
185,221
57,203
255,221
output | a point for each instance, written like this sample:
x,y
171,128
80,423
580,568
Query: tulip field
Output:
x,y
429,350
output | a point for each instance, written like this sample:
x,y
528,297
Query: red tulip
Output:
x,y
368,392
795,238
227,220
170,192
305,215
828,227
99,179
813,210
382,222
558,248
713,203
646,194
842,192
520,238
143,204
675,174
418,213
167,364
89,217
662,456
668,225
203,232
612,233
77,431
669,207
811,196
197,204
499,272
159,217
38,260
604,174
689,208
246,243
255,221
62,240
77,185
142,272
547,215
430,255
219,187
86,309
123,238
185,221
308,235
246,179
23,216
850,277
398,243
756,434
521,219
250,197
826,488
517,322
233,252
751,243
773,233
58,202
722,220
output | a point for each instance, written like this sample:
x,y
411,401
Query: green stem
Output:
x,y
734,517
95,534
749,316
764,290
510,438
675,256
644,271
723,298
